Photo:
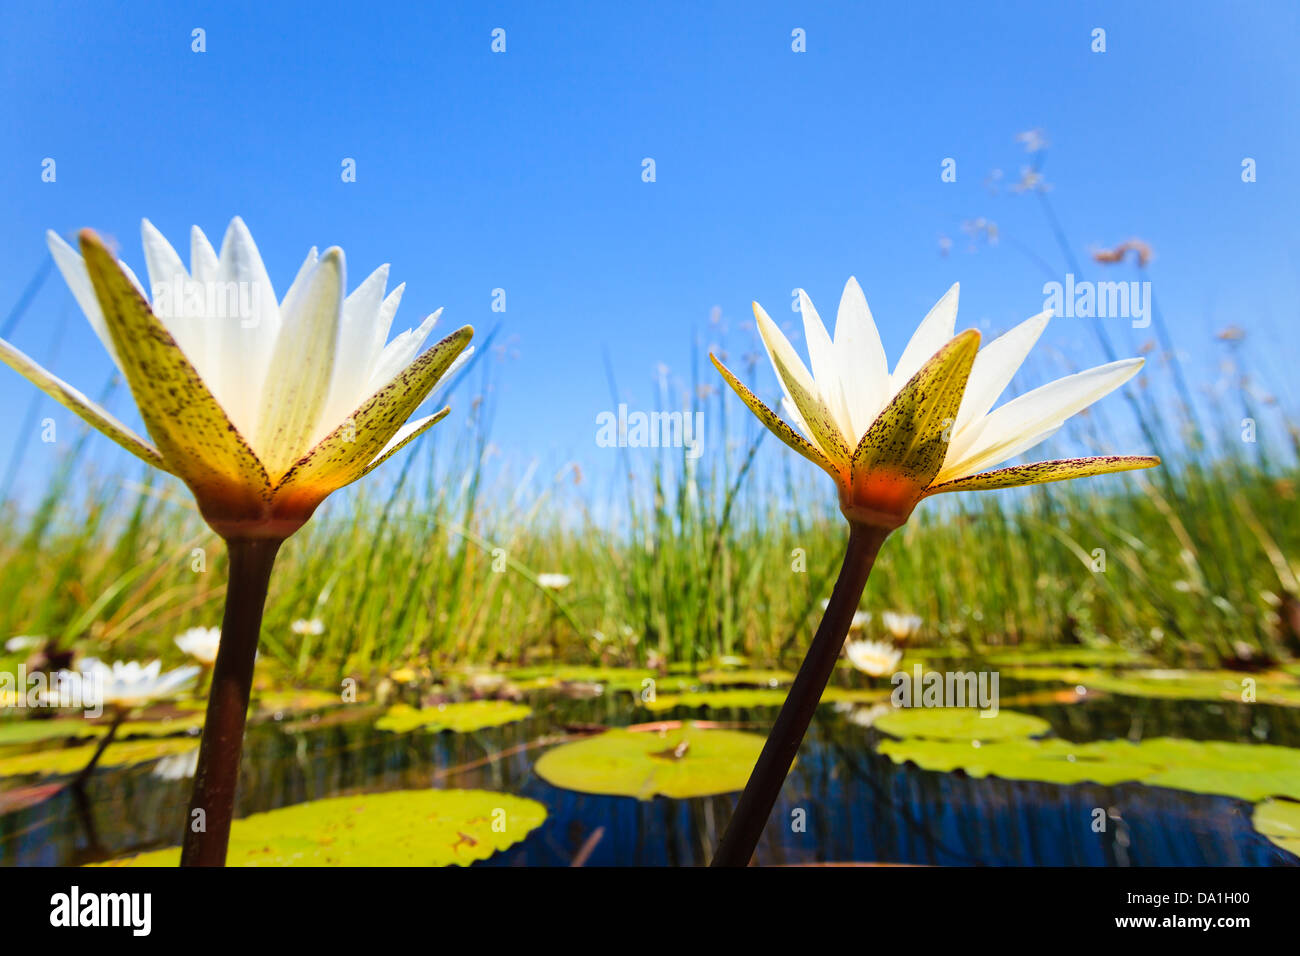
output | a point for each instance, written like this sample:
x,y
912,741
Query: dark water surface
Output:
x,y
858,806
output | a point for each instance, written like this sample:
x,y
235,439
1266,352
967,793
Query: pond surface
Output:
x,y
843,802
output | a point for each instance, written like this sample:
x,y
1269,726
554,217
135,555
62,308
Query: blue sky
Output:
x,y
774,170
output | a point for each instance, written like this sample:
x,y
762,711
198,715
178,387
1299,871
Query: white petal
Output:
x,y
74,274
996,365
825,369
302,368
248,323
1038,411
863,368
352,361
169,283
801,389
400,353
936,328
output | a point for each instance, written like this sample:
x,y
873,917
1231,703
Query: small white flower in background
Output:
x,y
315,627
177,766
23,642
553,582
201,643
901,626
126,685
860,620
874,658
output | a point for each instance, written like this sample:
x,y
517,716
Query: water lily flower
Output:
x,y
554,582
315,627
23,642
901,626
262,406
873,658
127,685
201,643
889,439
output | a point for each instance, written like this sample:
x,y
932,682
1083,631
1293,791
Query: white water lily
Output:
x,y
873,658
201,643
314,627
24,642
929,426
126,685
261,406
554,582
901,626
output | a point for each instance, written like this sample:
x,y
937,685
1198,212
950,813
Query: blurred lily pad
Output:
x,y
679,761
755,698
73,759
756,678
1279,820
1068,656
461,717
1268,687
401,828
1246,771
959,723
17,732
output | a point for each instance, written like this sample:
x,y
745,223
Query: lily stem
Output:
x,y
759,797
212,804
119,715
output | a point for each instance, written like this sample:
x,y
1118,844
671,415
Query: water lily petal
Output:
x,y
904,448
344,454
405,435
825,367
1045,471
996,365
70,398
74,274
773,421
935,329
398,353
801,389
191,430
1036,412
354,357
863,367
301,369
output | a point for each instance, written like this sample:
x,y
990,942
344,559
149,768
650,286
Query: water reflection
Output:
x,y
843,802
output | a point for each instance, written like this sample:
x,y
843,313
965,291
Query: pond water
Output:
x,y
850,802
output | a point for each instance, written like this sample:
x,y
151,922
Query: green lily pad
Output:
x,y
1269,687
747,699
73,759
1068,656
401,828
294,701
17,732
681,762
1279,820
1246,771
756,678
960,723
460,718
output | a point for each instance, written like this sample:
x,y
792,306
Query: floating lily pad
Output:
x,y
680,761
1279,820
1068,656
1269,687
295,701
746,699
73,759
960,723
461,717
402,828
1246,771
755,678
17,732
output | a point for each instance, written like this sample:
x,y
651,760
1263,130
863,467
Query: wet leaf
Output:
x,y
629,763
401,828
1279,820
73,759
959,723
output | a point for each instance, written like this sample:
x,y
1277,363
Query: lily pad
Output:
x,y
680,761
1068,656
461,717
960,723
1279,820
17,732
755,698
1268,688
401,828
73,759
1246,771
755,678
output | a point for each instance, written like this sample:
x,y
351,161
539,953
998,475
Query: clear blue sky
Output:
x,y
775,169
